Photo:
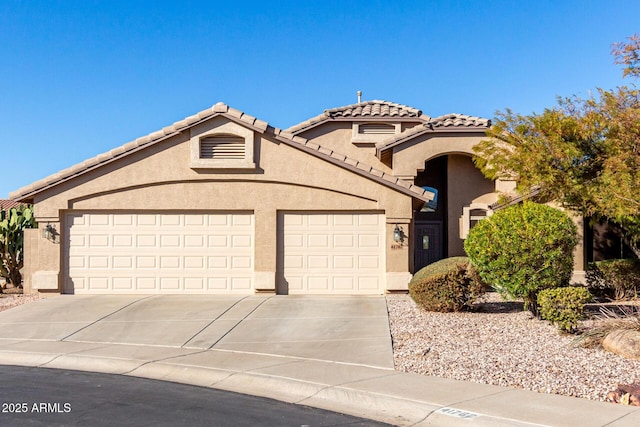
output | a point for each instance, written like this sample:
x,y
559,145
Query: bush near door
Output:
x,y
447,285
564,307
523,249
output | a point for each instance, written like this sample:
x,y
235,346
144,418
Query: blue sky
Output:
x,y
78,78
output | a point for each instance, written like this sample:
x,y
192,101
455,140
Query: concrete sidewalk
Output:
x,y
328,352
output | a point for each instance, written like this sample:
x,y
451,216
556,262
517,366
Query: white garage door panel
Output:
x,y
159,253
334,253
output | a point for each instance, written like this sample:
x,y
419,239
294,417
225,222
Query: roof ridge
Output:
x,y
151,138
232,114
363,109
459,120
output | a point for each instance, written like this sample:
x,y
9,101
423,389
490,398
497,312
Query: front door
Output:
x,y
428,243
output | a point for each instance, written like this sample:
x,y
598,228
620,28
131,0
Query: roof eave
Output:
x,y
357,167
26,194
380,150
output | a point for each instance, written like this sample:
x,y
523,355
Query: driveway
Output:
x,y
351,330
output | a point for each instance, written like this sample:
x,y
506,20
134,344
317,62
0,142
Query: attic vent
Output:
x,y
224,147
376,129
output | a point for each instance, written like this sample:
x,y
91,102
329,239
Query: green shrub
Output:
x,y
523,249
447,285
616,278
563,307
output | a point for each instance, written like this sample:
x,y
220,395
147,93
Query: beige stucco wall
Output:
x,y
409,158
465,183
159,178
579,275
337,136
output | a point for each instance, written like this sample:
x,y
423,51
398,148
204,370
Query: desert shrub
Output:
x,y
564,307
523,249
609,319
615,278
447,285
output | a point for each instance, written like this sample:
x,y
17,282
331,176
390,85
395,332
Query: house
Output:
x,y
352,201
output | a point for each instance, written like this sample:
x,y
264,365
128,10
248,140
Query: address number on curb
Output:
x,y
457,413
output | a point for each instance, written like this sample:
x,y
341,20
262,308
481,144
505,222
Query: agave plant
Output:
x,y
12,225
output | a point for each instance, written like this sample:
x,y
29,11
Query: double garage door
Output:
x,y
150,253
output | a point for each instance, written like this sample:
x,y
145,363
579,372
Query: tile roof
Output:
x,y
139,143
446,123
459,120
354,165
375,108
6,204
362,110
238,116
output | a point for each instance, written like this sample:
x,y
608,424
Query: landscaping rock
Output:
x,y
625,394
624,342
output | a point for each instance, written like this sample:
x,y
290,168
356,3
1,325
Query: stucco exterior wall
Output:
x,y
409,158
337,136
464,184
159,178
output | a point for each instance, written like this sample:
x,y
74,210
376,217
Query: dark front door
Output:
x,y
428,245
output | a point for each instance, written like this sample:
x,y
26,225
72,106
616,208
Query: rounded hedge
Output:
x,y
447,285
523,249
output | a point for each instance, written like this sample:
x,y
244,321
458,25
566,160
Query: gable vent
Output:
x,y
222,147
376,129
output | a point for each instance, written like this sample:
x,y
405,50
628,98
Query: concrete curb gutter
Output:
x,y
380,394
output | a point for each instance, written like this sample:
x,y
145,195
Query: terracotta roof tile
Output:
x,y
448,122
312,145
390,178
375,108
6,204
350,161
234,113
377,172
169,131
355,165
338,156
459,120
220,107
325,151
363,110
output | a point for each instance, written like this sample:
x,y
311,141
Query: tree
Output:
x,y
583,153
523,249
12,225
628,54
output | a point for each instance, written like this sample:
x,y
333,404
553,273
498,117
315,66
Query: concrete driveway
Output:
x,y
327,352
353,330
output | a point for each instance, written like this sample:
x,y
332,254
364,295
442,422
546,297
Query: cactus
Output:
x,y
12,225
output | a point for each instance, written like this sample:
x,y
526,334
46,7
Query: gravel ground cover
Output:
x,y
13,298
501,345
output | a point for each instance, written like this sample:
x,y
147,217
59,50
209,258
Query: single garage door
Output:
x,y
159,252
333,253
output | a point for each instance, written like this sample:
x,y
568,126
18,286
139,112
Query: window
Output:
x,y
471,215
222,145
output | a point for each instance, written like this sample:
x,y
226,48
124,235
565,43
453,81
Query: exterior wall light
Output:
x,y
398,235
49,233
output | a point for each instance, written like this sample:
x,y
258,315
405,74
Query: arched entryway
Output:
x,y
437,228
